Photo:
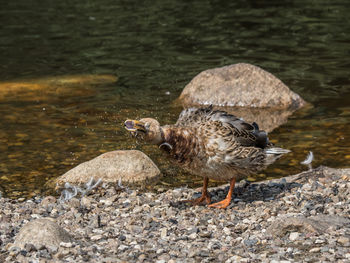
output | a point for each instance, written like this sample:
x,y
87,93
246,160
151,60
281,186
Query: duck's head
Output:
x,y
147,129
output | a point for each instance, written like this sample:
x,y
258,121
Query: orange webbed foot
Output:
x,y
226,202
199,200
205,195
222,204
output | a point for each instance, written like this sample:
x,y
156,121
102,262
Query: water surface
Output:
x,y
155,48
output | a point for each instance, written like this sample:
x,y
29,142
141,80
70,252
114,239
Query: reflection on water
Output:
x,y
155,48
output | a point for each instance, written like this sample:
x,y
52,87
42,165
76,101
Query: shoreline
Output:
x,y
303,217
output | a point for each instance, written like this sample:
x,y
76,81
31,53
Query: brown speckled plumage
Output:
x,y
212,144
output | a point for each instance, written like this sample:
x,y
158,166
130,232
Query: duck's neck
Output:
x,y
180,143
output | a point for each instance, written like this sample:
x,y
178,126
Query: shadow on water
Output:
x,y
155,49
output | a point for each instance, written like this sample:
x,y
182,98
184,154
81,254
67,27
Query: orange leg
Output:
x,y
225,203
205,196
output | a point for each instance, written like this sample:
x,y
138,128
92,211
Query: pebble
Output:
x,y
324,249
294,236
315,250
96,237
343,240
123,247
227,231
192,236
66,244
29,247
136,226
163,233
289,250
319,241
250,242
85,201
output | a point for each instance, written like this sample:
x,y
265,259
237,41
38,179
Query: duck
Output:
x,y
212,144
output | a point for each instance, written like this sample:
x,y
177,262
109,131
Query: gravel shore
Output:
x,y
301,218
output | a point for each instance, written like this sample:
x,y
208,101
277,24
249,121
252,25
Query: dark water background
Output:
x,y
156,48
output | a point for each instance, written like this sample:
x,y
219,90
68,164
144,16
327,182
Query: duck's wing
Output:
x,y
246,134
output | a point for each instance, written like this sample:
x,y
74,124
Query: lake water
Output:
x,y
155,48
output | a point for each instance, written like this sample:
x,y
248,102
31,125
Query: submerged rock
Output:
x,y
41,233
68,86
129,166
239,85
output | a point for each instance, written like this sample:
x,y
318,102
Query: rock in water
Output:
x,y
130,166
51,87
41,232
239,85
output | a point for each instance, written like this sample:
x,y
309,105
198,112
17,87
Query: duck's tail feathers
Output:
x,y
277,151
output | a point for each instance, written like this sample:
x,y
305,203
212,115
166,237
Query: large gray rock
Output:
x,y
130,166
41,232
239,85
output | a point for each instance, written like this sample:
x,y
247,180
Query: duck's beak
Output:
x,y
134,126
